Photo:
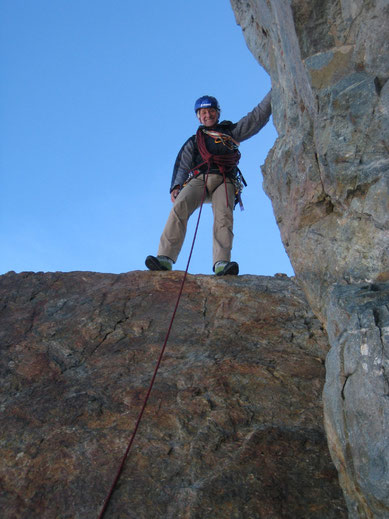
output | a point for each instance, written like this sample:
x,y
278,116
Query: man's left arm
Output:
x,y
251,123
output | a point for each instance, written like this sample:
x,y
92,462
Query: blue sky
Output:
x,y
96,99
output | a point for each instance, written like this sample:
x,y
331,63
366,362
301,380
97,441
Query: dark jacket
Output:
x,y
189,156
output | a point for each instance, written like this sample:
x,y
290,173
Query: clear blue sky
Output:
x,y
96,99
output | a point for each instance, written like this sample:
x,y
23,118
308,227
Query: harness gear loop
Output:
x,y
121,466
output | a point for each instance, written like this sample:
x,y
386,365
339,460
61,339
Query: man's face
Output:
x,y
208,116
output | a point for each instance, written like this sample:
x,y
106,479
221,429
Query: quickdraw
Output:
x,y
219,137
239,182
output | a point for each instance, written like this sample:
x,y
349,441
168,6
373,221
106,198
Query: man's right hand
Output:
x,y
174,194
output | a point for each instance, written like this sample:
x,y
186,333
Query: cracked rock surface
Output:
x,y
328,179
234,425
358,371
327,174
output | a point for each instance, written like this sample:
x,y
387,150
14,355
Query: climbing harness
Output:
x,y
231,159
121,466
225,162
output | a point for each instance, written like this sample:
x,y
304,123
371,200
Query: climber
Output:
x,y
213,150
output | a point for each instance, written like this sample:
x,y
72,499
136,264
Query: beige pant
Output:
x,y
186,203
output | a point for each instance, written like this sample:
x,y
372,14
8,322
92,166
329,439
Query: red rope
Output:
x,y
109,495
224,162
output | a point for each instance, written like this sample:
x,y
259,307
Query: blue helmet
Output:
x,y
206,102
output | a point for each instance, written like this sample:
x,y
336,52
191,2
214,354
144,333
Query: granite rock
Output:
x,y
327,177
357,370
234,425
327,174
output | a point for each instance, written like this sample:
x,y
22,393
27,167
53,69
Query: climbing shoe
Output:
x,y
159,263
226,268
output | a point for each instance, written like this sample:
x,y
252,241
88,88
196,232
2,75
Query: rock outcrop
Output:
x,y
234,425
327,177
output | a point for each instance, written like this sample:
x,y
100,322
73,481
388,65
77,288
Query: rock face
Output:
x,y
356,395
234,424
327,177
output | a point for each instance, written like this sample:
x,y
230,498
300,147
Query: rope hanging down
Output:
x,y
121,466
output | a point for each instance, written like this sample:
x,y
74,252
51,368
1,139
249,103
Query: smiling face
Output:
x,y
208,116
